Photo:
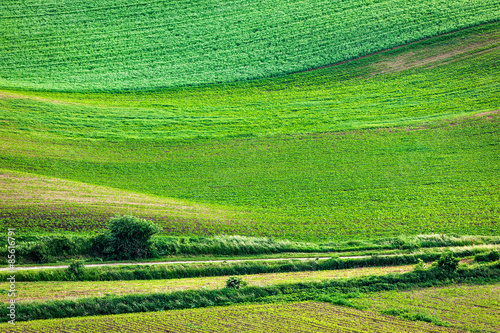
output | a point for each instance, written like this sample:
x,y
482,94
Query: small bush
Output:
x,y
235,282
487,257
75,270
36,252
420,266
98,244
129,237
416,316
59,245
494,255
448,262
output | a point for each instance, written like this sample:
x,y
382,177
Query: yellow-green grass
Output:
x,y
372,183
35,195
295,317
249,148
137,45
42,291
473,308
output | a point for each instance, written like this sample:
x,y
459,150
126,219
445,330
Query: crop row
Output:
x,y
465,307
295,317
107,45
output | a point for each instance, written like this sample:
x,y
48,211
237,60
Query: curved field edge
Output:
x,y
70,205
428,177
439,178
135,45
440,78
304,316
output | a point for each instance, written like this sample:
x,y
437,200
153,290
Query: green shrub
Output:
x,y
129,237
75,270
61,246
487,257
235,282
416,316
98,244
36,252
494,255
448,262
420,266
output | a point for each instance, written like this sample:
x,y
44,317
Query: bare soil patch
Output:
x,y
432,57
18,190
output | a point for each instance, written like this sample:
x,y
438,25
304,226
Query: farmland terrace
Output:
x,y
251,130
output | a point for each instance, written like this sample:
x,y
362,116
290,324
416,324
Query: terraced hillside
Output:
x,y
134,44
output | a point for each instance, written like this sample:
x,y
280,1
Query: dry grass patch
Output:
x,y
42,291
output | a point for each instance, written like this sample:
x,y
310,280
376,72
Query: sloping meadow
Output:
x,y
131,44
402,142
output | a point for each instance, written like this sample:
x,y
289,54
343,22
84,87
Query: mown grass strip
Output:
x,y
48,290
205,298
112,273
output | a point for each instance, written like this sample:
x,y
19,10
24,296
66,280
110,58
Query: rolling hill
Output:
x,y
400,142
114,45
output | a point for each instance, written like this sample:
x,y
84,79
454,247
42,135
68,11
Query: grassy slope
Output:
x,y
434,176
64,204
442,77
330,186
132,44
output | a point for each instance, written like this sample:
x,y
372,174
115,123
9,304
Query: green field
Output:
x,y
404,142
457,307
370,183
443,77
250,129
471,308
294,317
138,45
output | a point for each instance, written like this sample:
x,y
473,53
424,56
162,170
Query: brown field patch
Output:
x,y
38,194
433,56
11,95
